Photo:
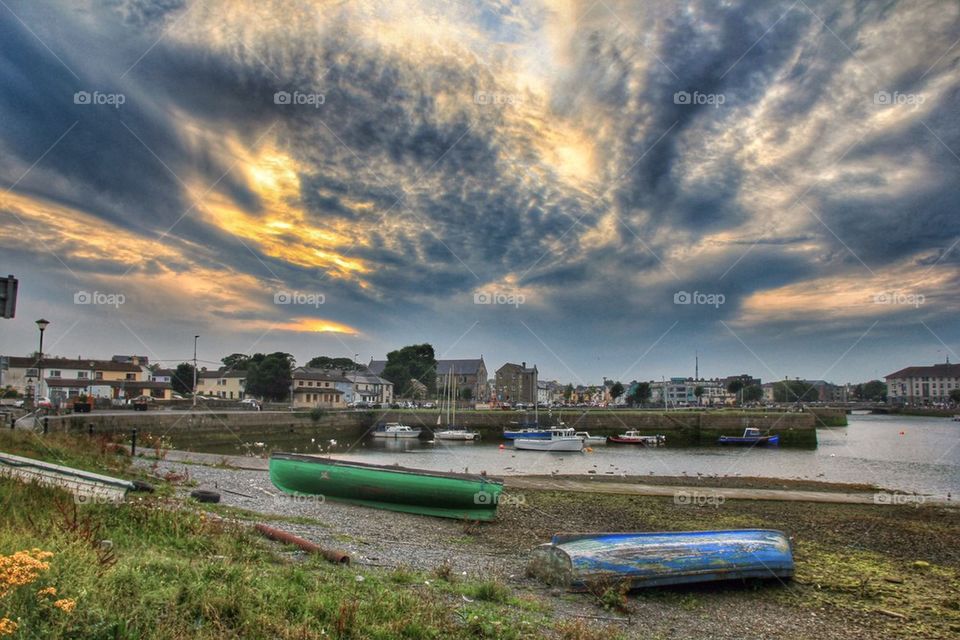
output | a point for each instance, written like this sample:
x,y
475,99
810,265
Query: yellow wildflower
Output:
x,y
47,591
23,567
7,627
66,604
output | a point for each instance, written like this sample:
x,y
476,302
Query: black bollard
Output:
x,y
46,425
133,443
90,429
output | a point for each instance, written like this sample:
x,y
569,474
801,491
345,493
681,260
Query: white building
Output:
x,y
923,385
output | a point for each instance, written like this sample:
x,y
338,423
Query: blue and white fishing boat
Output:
x,y
527,432
581,561
750,436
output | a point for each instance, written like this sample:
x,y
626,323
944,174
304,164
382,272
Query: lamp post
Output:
x,y
42,325
195,338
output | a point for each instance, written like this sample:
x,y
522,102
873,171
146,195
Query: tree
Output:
x,y
616,390
735,387
698,392
567,393
182,381
414,362
236,361
874,390
752,393
466,394
640,393
269,376
326,362
955,396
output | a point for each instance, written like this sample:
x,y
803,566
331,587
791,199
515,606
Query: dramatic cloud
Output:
x,y
327,177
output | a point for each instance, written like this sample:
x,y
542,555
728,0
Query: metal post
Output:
x,y
90,429
46,425
133,443
195,338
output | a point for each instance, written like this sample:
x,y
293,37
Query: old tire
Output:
x,y
140,485
202,495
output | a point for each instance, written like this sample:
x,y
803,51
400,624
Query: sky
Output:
x,y
604,189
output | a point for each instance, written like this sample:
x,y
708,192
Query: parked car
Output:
x,y
251,403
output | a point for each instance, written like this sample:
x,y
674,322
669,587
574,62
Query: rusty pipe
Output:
x,y
333,555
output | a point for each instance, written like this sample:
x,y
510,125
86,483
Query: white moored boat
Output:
x,y
589,439
396,430
456,434
560,440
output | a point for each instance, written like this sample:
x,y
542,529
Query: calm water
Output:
x,y
908,453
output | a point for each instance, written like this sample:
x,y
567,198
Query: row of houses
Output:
x,y
59,379
923,385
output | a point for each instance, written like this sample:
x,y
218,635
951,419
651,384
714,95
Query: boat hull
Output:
x,y
397,435
535,444
636,441
445,495
771,440
456,435
528,435
582,562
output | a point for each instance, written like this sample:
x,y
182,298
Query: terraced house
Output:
x,y
318,389
65,378
226,383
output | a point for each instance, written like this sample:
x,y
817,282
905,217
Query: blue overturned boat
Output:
x,y
750,436
582,562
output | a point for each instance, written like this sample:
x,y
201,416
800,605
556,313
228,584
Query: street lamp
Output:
x,y
195,338
42,325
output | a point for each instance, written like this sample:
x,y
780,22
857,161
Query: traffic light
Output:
x,y
8,297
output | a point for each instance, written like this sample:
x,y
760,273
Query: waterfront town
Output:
x,y
479,320
53,382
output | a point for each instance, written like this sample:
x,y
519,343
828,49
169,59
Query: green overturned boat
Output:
x,y
430,493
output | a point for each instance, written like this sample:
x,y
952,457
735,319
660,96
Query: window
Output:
x,y
54,373
131,376
98,375
81,375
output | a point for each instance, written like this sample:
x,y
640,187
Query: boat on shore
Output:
x,y
634,437
751,435
84,485
432,493
589,439
559,440
397,430
580,562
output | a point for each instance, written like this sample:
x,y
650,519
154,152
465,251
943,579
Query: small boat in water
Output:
x,y
956,418
432,493
560,440
582,561
589,439
397,430
634,437
750,435
456,434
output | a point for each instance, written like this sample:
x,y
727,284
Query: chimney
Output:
x,y
523,365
